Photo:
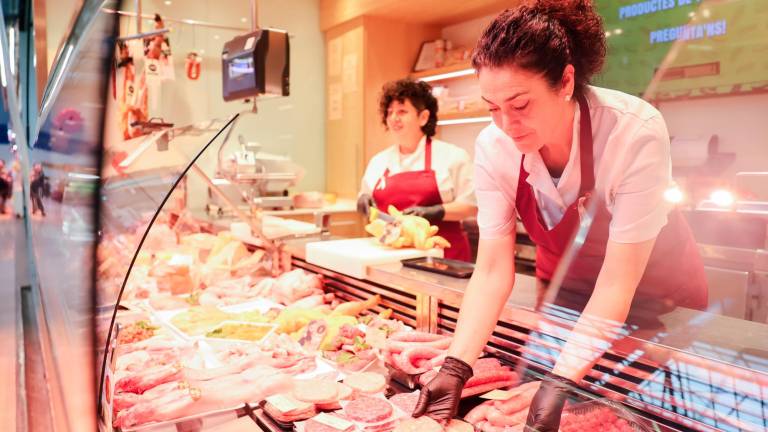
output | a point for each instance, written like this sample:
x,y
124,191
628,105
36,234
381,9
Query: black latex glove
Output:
x,y
440,398
547,405
364,204
434,213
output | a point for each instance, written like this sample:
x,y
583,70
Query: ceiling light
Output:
x,y
460,73
464,121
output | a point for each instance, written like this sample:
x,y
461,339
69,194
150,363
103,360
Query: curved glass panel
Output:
x,y
63,185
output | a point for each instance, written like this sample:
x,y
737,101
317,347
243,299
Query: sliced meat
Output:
x,y
292,416
406,401
366,409
485,388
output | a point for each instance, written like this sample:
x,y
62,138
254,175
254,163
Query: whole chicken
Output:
x,y
404,231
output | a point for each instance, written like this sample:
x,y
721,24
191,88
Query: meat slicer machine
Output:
x,y
252,179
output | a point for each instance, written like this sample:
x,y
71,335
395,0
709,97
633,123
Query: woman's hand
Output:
x,y
433,214
547,405
364,204
440,398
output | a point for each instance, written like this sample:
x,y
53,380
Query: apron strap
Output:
x,y
427,162
428,155
585,147
378,182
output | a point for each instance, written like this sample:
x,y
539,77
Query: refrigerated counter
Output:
x,y
703,371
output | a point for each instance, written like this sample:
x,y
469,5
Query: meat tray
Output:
x,y
592,407
200,421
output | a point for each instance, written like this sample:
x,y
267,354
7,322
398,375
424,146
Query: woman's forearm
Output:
x,y
484,298
456,211
601,322
480,309
595,331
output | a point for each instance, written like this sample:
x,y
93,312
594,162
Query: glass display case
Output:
x,y
177,296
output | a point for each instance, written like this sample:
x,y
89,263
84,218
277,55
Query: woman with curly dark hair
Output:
x,y
557,149
417,174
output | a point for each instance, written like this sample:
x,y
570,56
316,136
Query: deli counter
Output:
x,y
182,285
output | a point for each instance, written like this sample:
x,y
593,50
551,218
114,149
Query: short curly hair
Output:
x,y
545,36
418,93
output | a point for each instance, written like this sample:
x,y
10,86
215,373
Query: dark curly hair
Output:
x,y
545,37
418,93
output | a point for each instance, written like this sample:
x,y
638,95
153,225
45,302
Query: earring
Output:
x,y
568,98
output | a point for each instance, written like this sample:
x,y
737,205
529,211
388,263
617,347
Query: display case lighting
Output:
x,y
448,75
674,195
464,121
722,198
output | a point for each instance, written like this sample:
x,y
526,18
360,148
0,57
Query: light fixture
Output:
x,y
216,37
674,195
705,12
456,74
243,19
167,2
3,79
722,198
12,49
464,121
618,31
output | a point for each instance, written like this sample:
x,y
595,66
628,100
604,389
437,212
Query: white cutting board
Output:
x,y
353,256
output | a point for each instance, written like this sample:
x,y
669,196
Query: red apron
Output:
x,y
675,273
419,188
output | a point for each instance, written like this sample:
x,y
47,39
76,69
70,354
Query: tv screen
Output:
x,y
671,49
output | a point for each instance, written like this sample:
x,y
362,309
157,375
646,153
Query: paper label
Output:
x,y
333,421
283,403
500,395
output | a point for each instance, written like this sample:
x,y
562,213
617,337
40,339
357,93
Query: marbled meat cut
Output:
x,y
421,424
366,409
602,419
405,401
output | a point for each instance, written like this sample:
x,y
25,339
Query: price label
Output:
x,y
283,403
500,395
333,421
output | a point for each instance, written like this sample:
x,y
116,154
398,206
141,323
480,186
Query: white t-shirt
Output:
x,y
632,166
452,166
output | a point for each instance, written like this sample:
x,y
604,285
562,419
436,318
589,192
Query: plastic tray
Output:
x,y
586,408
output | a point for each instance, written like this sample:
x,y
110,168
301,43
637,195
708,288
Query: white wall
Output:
x,y
293,126
739,122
